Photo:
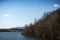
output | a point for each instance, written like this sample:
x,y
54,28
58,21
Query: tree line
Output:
x,y
46,27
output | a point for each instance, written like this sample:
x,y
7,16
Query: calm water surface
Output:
x,y
15,36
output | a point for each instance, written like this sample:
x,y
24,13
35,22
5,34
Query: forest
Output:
x,y
46,27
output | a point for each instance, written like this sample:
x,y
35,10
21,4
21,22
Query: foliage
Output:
x,y
47,27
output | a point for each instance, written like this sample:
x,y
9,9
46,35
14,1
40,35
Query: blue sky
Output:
x,y
20,12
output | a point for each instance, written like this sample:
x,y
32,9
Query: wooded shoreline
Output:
x,y
46,27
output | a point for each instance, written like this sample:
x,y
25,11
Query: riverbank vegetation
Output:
x,y
46,27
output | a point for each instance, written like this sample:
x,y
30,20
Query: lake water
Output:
x,y
15,36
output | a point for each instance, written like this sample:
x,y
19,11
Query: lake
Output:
x,y
15,36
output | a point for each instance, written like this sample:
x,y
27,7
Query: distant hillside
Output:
x,y
47,27
16,29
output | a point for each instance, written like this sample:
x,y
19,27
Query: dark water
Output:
x,y
15,36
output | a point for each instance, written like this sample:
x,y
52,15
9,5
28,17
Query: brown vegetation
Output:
x,y
47,27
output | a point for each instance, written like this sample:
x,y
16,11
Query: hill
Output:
x,y
16,29
46,27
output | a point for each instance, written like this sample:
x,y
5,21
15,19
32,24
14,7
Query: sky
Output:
x,y
18,13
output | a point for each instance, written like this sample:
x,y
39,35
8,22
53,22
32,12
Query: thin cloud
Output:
x,y
6,15
56,5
